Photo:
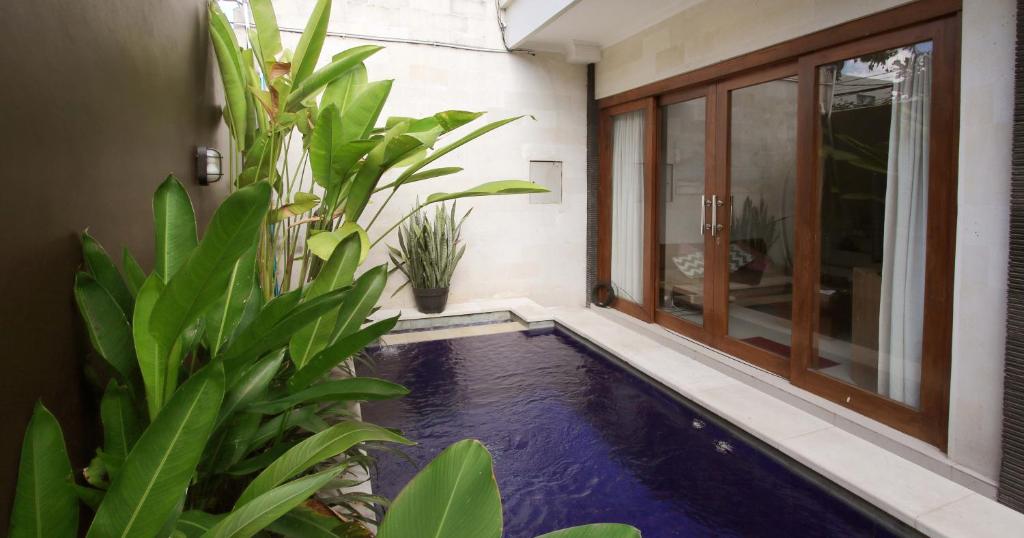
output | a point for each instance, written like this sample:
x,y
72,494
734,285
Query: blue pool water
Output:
x,y
577,438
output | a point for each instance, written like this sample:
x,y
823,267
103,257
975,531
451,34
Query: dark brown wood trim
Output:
x,y
891,19
651,188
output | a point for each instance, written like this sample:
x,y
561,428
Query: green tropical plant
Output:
x,y
277,100
207,417
456,495
429,250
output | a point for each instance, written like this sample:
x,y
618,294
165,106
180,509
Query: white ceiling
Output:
x,y
601,22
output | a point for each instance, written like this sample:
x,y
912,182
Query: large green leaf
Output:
x,y
348,389
449,120
204,277
229,59
275,326
337,273
304,522
267,33
320,447
109,332
342,90
454,495
193,523
493,188
121,423
596,530
252,383
324,145
158,469
224,315
323,244
45,503
364,110
134,276
175,224
426,174
358,304
341,64
307,52
99,265
441,152
246,520
152,362
343,348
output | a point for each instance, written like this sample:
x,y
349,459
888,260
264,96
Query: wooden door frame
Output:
x,y
757,356
940,19
643,311
931,420
704,332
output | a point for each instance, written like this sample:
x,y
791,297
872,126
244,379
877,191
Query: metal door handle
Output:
x,y
714,215
703,214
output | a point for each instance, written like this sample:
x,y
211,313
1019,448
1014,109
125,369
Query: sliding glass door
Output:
x,y
800,216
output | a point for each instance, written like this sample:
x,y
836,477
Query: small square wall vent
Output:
x,y
547,174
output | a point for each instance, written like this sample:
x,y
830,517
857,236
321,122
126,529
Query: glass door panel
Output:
x,y
874,119
682,212
627,212
760,213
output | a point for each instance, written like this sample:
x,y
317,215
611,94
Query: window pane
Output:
x,y
681,256
762,172
874,114
628,206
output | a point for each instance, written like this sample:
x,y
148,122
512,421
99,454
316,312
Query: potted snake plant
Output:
x,y
429,250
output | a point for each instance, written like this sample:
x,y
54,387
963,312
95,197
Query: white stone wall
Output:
x,y
514,249
717,30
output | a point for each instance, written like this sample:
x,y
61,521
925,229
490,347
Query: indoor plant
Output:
x,y
427,255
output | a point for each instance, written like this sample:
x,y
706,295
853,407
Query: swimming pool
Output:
x,y
579,438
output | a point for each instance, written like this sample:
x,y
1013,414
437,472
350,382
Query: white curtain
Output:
x,y
628,206
901,312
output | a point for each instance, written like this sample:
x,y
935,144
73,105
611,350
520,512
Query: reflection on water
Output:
x,y
576,439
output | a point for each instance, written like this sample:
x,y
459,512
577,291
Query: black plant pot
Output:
x,y
431,300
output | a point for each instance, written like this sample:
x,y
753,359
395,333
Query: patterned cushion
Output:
x,y
692,265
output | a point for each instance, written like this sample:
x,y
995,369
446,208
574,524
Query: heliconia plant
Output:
x,y
277,100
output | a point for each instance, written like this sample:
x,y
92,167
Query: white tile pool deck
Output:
x,y
930,502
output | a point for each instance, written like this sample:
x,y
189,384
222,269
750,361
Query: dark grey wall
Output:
x,y
100,100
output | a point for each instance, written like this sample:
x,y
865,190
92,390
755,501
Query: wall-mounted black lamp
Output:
x,y
208,165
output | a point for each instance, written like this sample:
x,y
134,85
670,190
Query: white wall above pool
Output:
x,y
513,248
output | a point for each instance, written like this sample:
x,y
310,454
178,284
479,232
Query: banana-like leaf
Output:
x,y
343,348
252,517
267,33
365,182
175,224
45,503
323,244
307,52
194,523
228,446
426,174
449,120
454,495
341,63
260,161
348,389
596,530
152,362
99,265
324,145
109,332
364,111
304,522
358,304
274,329
157,471
322,446
224,315
441,152
342,90
229,59
134,276
493,188
252,384
121,424
337,273
204,277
